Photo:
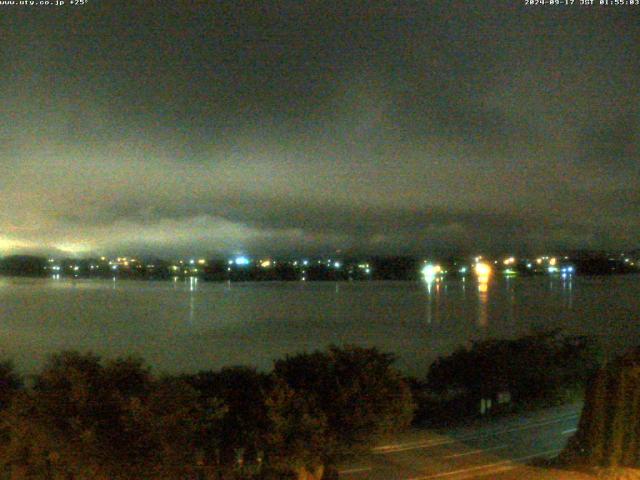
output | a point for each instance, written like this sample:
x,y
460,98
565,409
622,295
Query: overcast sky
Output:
x,y
366,127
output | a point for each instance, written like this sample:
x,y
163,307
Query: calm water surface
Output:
x,y
190,325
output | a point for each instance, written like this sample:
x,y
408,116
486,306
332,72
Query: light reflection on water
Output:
x,y
185,325
483,299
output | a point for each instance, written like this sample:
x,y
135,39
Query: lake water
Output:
x,y
192,325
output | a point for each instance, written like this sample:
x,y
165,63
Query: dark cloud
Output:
x,y
369,126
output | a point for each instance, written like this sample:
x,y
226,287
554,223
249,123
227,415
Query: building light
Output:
x,y
202,261
242,261
482,269
429,272
265,263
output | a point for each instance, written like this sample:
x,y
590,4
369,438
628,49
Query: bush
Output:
x,y
84,420
88,419
537,367
10,383
355,390
609,429
242,390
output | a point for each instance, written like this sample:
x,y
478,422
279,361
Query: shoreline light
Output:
x,y
430,272
242,261
482,269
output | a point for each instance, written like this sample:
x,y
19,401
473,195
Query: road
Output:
x,y
491,449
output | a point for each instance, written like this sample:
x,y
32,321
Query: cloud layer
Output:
x,y
369,127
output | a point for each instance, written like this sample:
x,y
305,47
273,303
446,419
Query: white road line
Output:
x,y
501,464
473,452
393,448
571,430
411,446
495,471
354,470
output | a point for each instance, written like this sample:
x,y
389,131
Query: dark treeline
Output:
x,y
402,268
84,418
498,375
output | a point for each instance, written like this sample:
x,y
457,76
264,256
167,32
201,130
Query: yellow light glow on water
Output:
x,y
265,263
553,261
509,261
202,261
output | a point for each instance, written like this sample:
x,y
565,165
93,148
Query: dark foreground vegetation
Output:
x,y
498,376
88,419
608,433
84,418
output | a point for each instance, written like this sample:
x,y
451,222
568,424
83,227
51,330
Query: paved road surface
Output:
x,y
497,449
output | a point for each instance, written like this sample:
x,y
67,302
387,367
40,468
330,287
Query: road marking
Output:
x,y
501,464
410,446
571,430
402,447
473,452
354,470
506,468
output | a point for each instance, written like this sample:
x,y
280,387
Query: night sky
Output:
x,y
285,127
